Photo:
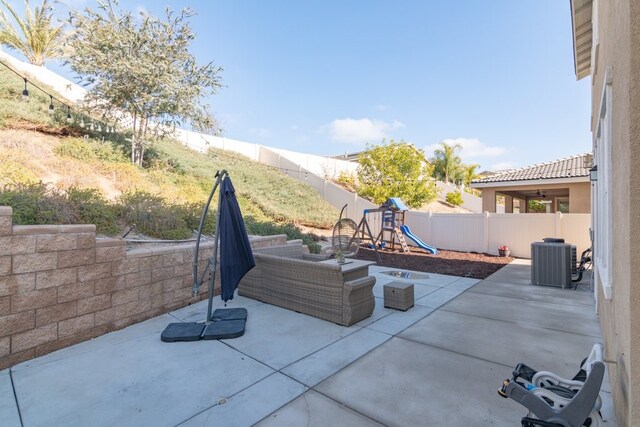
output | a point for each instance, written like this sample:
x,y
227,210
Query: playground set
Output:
x,y
393,230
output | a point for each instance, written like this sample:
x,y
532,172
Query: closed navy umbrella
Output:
x,y
236,257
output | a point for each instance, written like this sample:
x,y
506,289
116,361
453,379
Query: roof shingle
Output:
x,y
570,167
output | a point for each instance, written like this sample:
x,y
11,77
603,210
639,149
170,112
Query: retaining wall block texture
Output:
x,y
59,285
6,218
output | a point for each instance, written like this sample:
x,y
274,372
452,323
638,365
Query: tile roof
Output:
x,y
570,167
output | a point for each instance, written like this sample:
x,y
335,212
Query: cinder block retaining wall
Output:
x,y
59,285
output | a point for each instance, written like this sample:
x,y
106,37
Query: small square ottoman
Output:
x,y
398,295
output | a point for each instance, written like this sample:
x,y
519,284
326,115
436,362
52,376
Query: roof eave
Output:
x,y
527,182
582,30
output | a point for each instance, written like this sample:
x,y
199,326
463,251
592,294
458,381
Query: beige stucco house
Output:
x,y
606,35
562,185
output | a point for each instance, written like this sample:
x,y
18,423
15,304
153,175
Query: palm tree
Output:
x,y
446,162
36,37
469,174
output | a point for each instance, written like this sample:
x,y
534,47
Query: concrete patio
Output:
x,y
438,363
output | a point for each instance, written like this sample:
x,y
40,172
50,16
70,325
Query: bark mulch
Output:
x,y
464,264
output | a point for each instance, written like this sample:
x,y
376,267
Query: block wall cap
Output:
x,y
107,243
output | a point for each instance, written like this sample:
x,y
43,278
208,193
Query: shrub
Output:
x,y
12,171
454,198
90,149
155,217
152,216
75,148
347,180
36,203
92,208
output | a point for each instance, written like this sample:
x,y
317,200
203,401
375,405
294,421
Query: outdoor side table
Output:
x,y
398,295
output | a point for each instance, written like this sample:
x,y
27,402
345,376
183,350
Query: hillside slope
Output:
x,y
36,146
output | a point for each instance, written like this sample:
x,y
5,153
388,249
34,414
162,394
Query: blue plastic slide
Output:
x,y
405,230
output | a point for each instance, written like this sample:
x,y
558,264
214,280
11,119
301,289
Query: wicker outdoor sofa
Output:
x,y
286,277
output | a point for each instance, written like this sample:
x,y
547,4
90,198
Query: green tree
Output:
x,y
537,206
138,69
35,36
469,174
446,162
395,169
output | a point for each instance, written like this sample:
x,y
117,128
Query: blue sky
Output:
x,y
329,76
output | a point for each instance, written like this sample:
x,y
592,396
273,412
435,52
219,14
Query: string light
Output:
x,y
51,109
25,92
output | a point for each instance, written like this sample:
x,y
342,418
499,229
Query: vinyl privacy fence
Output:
x,y
485,232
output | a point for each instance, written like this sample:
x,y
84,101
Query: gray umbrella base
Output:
x,y
224,329
182,332
227,323
230,314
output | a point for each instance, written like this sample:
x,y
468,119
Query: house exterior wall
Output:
x,y
59,285
619,51
489,200
580,198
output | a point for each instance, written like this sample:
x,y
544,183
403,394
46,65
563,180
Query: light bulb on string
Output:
x,y
50,104
25,92
69,119
82,122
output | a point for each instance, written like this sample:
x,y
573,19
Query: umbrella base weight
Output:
x,y
229,314
224,329
182,332
227,323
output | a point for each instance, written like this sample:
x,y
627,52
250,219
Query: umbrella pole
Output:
x,y
196,281
214,259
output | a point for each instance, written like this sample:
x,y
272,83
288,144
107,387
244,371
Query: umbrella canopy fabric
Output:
x,y
236,257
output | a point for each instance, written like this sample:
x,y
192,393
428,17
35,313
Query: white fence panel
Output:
x,y
269,157
518,231
575,230
338,197
486,232
460,232
322,166
317,184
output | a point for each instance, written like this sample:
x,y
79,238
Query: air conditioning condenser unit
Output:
x,y
551,263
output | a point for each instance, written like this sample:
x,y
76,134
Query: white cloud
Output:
x,y
471,148
360,131
502,166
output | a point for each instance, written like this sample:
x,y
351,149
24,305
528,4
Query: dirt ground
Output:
x,y
476,265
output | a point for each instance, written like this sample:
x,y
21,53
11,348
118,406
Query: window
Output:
x,y
562,204
602,217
